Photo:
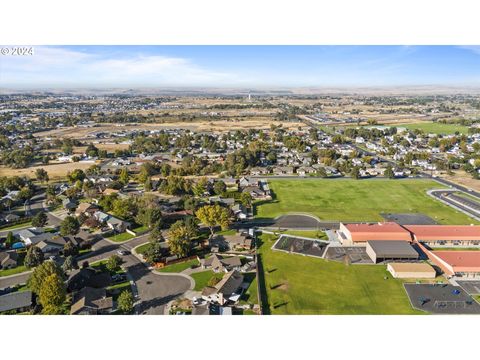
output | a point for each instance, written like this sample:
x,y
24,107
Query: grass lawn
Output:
x,y
250,296
357,200
142,248
140,230
298,284
121,237
437,128
115,290
307,233
17,226
101,265
202,279
226,232
179,267
17,270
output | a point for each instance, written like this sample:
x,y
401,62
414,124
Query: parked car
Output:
x,y
117,278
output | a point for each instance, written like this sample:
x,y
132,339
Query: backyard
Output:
x,y
297,284
357,200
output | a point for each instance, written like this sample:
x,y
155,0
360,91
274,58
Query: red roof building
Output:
x,y
350,234
457,263
445,234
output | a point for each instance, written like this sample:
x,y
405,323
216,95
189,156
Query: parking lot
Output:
x,y
409,219
300,246
441,299
471,287
356,254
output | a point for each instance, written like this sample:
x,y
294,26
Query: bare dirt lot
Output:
x,y
462,178
55,171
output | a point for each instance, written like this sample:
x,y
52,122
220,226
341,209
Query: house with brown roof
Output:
x,y
231,242
221,264
227,289
8,259
86,209
91,301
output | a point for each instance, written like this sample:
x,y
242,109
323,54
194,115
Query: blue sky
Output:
x,y
242,66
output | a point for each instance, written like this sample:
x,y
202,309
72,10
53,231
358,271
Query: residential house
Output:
x,y
88,277
240,212
86,209
69,204
91,301
221,264
33,236
18,301
111,221
227,289
8,259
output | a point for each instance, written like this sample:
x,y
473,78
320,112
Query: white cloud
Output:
x,y
55,66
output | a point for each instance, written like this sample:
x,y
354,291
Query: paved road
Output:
x,y
470,207
14,280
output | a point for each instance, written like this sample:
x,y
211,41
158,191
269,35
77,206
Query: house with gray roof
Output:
x,y
18,301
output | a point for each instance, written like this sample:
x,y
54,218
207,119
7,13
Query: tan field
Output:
x,y
462,178
55,171
198,126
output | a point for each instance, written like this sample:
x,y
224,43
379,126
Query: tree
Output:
x,y
68,264
355,172
389,172
76,175
69,249
321,172
41,175
125,208
40,219
10,240
124,177
219,187
154,251
214,215
125,302
69,226
92,150
113,263
246,199
52,294
34,257
156,233
40,273
179,239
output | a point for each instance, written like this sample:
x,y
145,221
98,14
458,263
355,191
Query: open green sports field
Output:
x,y
437,128
357,200
298,284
